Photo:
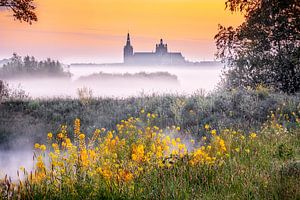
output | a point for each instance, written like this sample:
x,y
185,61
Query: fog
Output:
x,y
12,160
178,80
190,79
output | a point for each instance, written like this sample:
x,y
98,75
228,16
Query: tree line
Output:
x,y
29,66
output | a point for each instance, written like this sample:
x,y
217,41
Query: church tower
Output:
x,y
161,48
128,50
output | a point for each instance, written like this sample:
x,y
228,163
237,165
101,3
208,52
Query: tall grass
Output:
x,y
139,160
240,109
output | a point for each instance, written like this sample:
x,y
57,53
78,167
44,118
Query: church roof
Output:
x,y
143,53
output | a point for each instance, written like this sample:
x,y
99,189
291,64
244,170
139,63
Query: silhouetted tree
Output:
x,y
23,10
265,49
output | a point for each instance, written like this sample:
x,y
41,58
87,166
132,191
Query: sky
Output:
x,y
94,31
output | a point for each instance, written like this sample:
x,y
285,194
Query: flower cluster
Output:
x,y
122,155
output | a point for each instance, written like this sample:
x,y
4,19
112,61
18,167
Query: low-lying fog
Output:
x,y
185,79
189,80
12,160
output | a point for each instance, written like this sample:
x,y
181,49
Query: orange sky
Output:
x,y
95,30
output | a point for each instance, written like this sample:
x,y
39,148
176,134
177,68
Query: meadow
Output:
x,y
235,144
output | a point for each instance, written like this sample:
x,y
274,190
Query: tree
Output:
x,y
265,49
23,10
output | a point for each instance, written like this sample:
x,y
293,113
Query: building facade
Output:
x,y
161,56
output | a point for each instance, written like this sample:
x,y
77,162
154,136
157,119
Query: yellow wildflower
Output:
x,y
206,126
60,135
43,147
253,135
50,135
81,136
213,132
37,145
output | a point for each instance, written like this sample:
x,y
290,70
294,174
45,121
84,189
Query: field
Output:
x,y
210,112
228,145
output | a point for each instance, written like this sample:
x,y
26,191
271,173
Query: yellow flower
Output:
x,y
173,142
81,136
43,147
206,126
55,146
237,149
142,111
134,157
37,145
178,128
253,135
247,150
50,135
113,142
60,135
213,132
110,135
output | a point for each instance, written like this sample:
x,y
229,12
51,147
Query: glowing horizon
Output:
x,y
95,30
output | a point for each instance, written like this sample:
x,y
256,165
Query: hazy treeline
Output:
x,y
29,67
29,121
141,75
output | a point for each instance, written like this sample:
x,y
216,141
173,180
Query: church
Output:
x,y
161,56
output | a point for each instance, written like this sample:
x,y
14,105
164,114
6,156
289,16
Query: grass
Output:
x,y
242,109
139,160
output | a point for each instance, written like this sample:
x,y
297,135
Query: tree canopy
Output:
x,y
23,10
265,49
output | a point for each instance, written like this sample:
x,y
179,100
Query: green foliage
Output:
x,y
265,49
285,151
289,181
239,109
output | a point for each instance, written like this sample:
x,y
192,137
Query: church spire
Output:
x,y
128,50
128,39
